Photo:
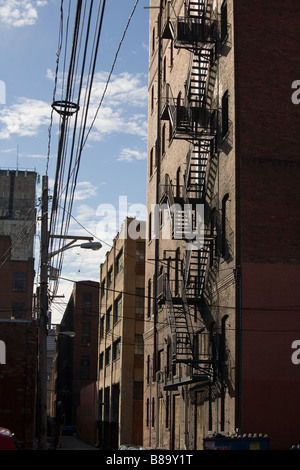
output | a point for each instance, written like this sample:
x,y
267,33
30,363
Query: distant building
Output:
x,y
121,350
77,357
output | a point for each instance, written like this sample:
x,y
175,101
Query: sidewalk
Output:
x,y
73,443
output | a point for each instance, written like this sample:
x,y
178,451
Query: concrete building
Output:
x,y
17,230
222,198
77,356
121,359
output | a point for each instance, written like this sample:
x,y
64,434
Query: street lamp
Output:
x,y
87,246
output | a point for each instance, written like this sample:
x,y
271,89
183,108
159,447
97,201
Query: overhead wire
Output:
x,y
59,220
68,191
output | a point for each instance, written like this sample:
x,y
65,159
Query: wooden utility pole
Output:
x,y
43,321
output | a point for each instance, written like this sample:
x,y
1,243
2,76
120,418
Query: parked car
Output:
x,y
7,441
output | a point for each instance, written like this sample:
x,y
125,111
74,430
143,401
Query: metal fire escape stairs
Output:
x,y
191,120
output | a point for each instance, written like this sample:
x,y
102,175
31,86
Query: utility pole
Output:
x,y
43,320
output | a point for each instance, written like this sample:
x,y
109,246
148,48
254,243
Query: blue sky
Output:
x,y
113,162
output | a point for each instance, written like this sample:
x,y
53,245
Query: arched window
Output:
x,y
224,225
149,298
225,114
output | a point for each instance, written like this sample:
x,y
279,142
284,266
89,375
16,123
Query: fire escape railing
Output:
x,y
192,118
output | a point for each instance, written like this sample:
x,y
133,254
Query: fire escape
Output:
x,y
192,117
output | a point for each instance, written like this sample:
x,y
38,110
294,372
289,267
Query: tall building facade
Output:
x,y
18,328
77,356
121,359
221,194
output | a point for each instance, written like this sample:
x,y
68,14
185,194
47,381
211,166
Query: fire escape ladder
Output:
x,y
195,270
180,325
196,172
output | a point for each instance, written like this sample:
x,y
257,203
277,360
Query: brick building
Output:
x,y
223,239
77,357
121,360
18,329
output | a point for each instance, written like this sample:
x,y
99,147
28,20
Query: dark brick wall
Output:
x,y
268,123
268,174
7,294
18,380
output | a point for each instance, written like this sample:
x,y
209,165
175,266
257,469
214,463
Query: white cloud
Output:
x,y
84,190
19,13
117,113
129,155
24,118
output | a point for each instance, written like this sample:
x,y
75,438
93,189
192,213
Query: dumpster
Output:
x,y
220,442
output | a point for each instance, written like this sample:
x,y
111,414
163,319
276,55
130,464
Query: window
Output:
x,y
84,372
152,98
119,262
117,310
19,282
87,304
171,54
151,163
108,319
225,115
116,349
86,334
150,226
101,361
147,413
224,226
107,355
148,369
160,359
102,289
170,131
153,413
153,40
224,21
163,140
109,277
149,298
18,310
164,70
102,322
140,252
139,302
